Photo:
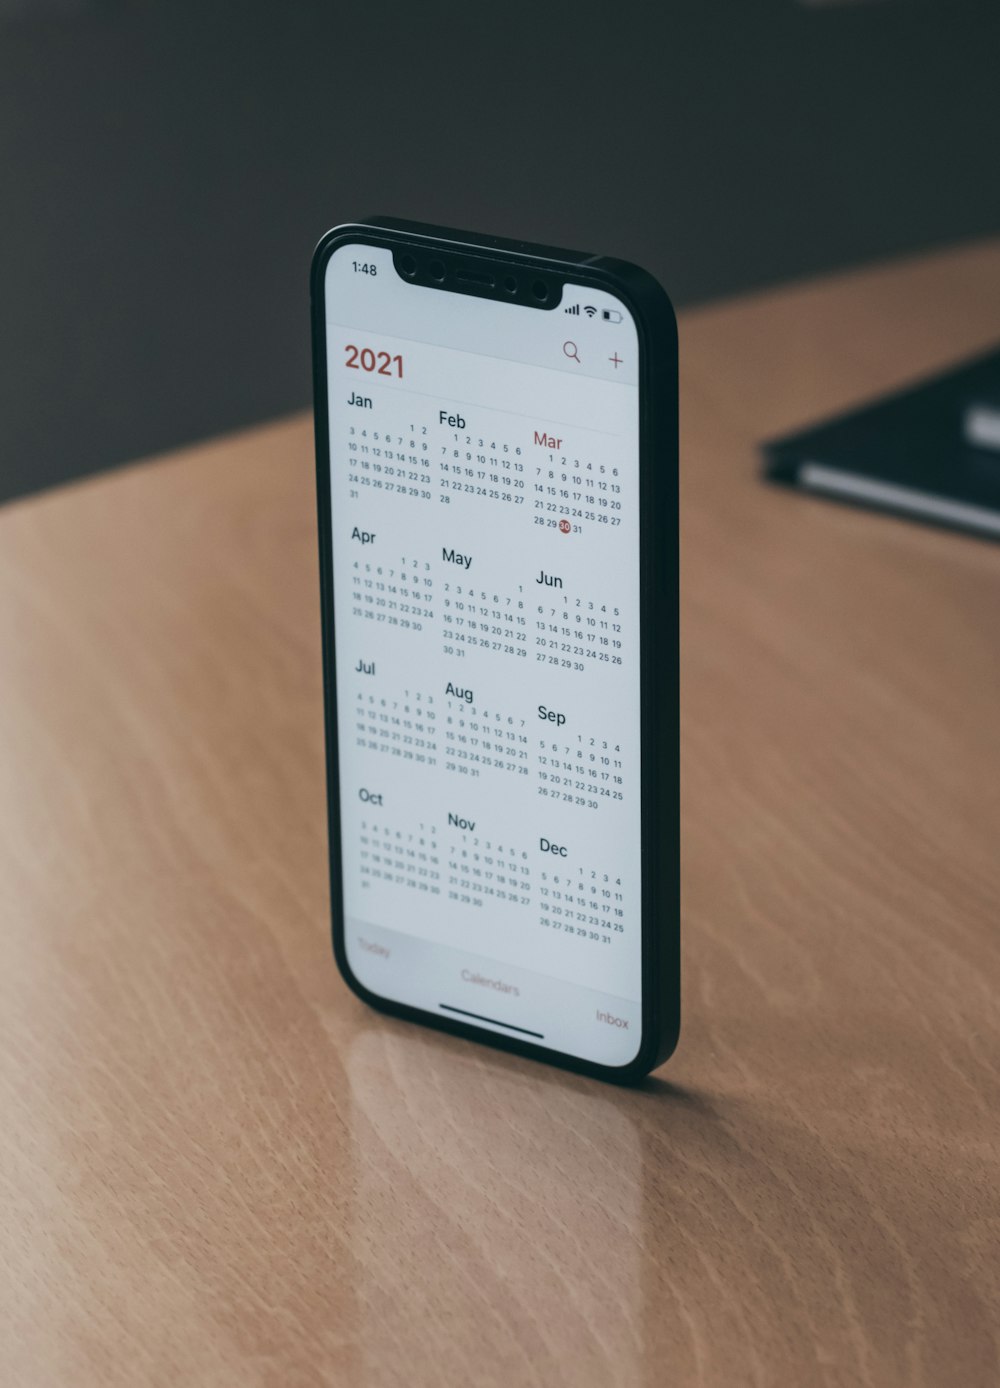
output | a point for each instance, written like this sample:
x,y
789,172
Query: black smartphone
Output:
x,y
496,445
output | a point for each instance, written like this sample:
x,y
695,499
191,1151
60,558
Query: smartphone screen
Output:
x,y
484,490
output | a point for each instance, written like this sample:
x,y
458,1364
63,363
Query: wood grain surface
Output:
x,y
218,1168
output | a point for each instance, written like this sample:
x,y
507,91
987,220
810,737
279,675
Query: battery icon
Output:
x,y
611,315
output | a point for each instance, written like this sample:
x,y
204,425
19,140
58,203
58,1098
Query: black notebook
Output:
x,y
907,453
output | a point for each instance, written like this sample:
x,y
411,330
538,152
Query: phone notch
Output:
x,y
480,276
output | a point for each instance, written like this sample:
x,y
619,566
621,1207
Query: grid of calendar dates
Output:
x,y
487,872
399,594
426,462
404,857
487,646
481,742
400,726
585,904
474,619
477,742
585,492
480,873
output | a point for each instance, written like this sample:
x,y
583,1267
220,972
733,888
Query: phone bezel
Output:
x,y
658,619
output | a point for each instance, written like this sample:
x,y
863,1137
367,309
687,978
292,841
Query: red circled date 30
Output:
x,y
381,363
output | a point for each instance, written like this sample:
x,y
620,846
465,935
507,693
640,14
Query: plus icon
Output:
x,y
616,359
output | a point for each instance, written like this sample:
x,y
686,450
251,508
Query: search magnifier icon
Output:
x,y
571,350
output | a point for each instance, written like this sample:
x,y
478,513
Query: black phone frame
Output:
x,y
658,615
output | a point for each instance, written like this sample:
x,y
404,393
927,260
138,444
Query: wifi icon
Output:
x,y
589,310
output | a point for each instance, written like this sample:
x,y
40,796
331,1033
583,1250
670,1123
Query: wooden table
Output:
x,y
218,1168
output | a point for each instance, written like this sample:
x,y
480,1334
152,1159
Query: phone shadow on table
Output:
x,y
552,1198
654,1230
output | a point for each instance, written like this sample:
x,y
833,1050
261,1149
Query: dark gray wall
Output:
x,y
167,168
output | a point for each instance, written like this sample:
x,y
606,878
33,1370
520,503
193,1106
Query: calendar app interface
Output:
x,y
484,481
